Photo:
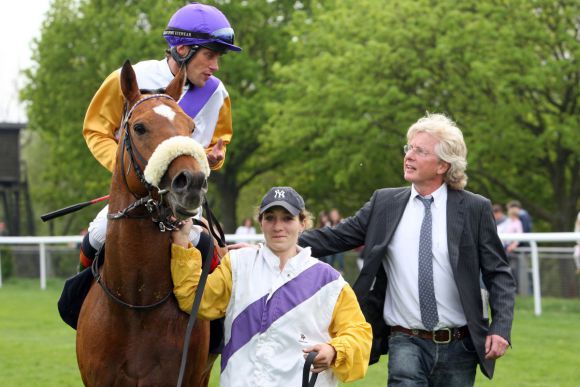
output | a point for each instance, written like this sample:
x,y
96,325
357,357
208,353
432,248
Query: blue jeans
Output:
x,y
419,362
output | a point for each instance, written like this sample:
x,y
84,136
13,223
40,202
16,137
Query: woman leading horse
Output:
x,y
130,330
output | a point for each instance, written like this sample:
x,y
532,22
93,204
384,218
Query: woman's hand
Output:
x,y
325,357
181,236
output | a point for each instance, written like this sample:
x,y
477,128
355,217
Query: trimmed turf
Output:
x,y
38,349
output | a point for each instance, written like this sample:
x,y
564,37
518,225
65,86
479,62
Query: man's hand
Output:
x,y
495,347
240,245
216,155
324,359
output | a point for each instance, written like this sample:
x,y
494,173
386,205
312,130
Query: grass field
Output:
x,y
38,349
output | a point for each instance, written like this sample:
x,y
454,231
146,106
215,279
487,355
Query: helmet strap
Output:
x,y
183,60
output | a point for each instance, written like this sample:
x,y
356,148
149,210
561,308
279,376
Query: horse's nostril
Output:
x,y
181,181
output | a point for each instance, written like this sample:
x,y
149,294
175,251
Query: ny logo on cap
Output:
x,y
279,194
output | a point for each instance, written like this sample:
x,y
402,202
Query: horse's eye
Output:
x,y
139,129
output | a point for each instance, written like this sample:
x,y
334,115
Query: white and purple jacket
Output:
x,y
273,315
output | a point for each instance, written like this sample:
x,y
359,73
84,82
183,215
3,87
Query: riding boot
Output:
x,y
87,253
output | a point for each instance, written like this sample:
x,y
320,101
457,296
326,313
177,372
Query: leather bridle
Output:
x,y
160,213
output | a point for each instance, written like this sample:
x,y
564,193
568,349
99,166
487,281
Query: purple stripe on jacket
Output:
x,y
260,315
195,98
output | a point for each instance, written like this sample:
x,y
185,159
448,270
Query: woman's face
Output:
x,y
281,231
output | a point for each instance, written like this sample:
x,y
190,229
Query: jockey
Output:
x,y
197,35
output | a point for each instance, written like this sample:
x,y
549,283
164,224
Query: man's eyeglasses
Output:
x,y
417,150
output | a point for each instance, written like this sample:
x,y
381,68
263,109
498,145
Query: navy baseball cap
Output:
x,y
285,197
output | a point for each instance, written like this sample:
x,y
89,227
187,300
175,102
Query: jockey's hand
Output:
x,y
216,154
324,359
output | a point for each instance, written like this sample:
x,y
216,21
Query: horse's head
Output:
x,y
157,153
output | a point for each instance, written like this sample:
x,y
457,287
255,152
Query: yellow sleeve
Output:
x,y
223,130
102,120
351,337
186,271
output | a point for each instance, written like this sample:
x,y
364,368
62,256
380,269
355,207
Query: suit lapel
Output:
x,y
394,212
455,221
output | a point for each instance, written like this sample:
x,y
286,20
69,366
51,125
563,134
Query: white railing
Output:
x,y
42,241
532,238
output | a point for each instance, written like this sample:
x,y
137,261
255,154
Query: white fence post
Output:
x,y
42,258
536,278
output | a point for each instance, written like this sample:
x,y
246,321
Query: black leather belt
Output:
x,y
442,336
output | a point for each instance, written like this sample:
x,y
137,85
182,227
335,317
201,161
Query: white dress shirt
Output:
x,y
402,264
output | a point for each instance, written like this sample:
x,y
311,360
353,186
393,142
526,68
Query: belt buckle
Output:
x,y
449,336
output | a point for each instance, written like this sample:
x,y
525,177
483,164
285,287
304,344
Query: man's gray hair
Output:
x,y
451,147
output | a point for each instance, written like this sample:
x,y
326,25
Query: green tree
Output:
x,y
261,31
83,41
80,44
364,71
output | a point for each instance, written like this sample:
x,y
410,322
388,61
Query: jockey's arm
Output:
x,y
102,121
222,135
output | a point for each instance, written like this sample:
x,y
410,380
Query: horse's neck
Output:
x,y
137,262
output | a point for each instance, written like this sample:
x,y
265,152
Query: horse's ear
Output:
x,y
175,87
129,83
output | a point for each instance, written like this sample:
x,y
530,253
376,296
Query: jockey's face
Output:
x,y
203,64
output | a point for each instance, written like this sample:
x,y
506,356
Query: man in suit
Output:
x,y
426,248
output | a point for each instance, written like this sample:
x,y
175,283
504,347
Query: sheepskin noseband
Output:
x,y
170,149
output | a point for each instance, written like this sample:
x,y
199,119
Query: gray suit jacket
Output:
x,y
474,249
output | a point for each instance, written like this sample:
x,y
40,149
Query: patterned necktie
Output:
x,y
427,302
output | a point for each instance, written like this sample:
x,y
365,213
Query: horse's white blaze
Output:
x,y
165,111
167,151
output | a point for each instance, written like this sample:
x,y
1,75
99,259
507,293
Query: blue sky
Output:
x,y
20,22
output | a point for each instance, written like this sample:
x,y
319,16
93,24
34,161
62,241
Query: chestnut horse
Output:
x,y
130,329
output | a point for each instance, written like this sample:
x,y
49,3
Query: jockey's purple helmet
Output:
x,y
201,25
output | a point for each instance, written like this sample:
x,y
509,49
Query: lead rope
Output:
x,y
306,371
194,309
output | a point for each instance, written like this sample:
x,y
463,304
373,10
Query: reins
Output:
x,y
199,292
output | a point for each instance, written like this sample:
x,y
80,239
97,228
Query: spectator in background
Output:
x,y
322,220
499,216
577,247
336,260
524,216
246,228
512,225
3,229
